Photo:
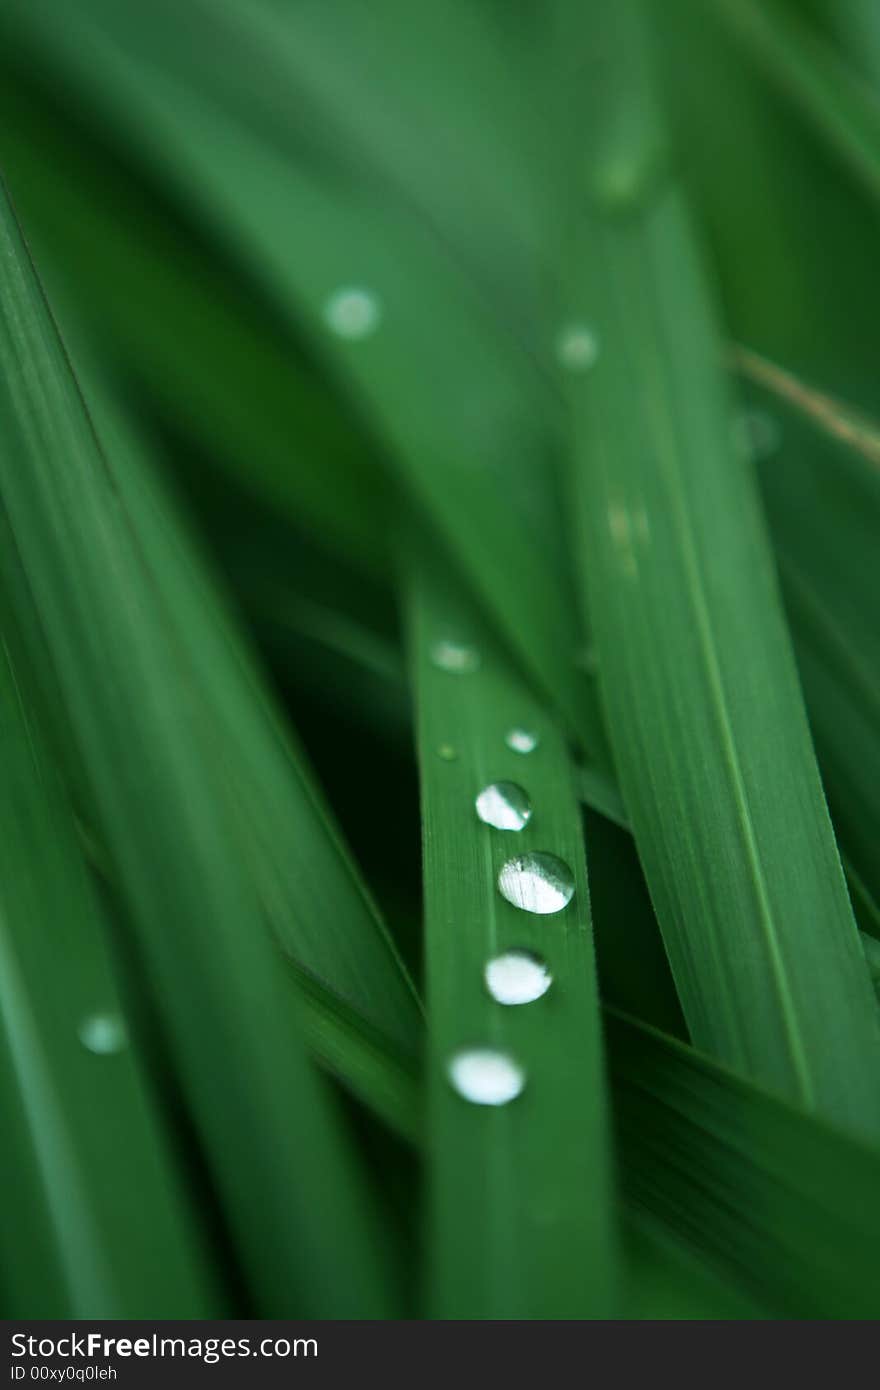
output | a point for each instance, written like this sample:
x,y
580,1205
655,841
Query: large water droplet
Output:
x,y
517,977
352,313
521,740
504,805
103,1034
486,1077
456,657
577,347
536,882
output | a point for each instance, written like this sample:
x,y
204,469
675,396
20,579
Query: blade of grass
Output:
x,y
782,1201
296,1205
838,681
667,1282
757,174
97,1225
520,1219
842,108
363,1061
608,808
823,498
731,825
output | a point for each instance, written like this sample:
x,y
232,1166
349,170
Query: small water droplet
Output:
x,y
456,657
756,435
517,977
504,805
632,172
352,313
620,524
577,347
447,752
103,1034
521,740
486,1077
537,882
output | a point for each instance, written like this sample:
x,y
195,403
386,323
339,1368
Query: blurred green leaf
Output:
x,y
99,1221
155,770
700,691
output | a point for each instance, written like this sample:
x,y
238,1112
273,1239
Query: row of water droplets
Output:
x,y
536,882
354,313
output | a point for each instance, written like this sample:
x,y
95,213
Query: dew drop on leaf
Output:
x,y
485,1076
537,882
521,740
577,347
457,658
352,313
504,805
517,977
103,1034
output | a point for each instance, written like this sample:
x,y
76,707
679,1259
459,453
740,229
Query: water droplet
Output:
x,y
447,752
631,172
536,882
756,435
486,1077
521,740
352,313
504,805
103,1034
620,525
455,657
517,977
577,347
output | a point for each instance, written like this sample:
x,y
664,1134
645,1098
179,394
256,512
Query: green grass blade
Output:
x,y
731,825
607,806
97,1225
292,1195
362,1060
667,1282
823,498
840,105
757,172
776,1198
520,1215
